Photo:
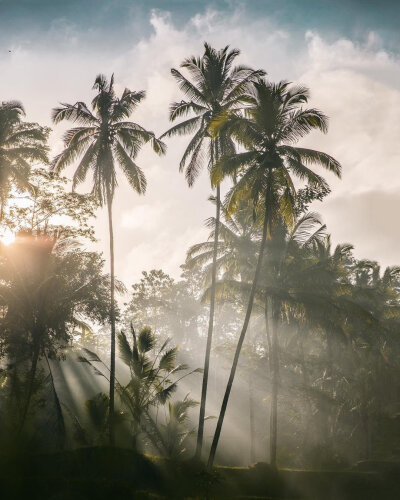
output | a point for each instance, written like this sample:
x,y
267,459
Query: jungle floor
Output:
x,y
114,473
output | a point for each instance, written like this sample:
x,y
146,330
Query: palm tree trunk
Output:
x,y
241,338
252,421
365,421
267,313
306,383
274,395
268,328
112,322
329,418
200,431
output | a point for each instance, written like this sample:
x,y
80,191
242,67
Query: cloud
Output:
x,y
356,84
368,57
369,221
143,216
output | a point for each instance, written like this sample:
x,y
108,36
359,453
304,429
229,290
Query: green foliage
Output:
x,y
267,127
101,473
169,307
216,87
97,410
153,380
21,144
47,284
174,434
104,139
47,281
48,207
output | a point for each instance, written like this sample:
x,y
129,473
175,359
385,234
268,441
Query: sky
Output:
x,y
347,52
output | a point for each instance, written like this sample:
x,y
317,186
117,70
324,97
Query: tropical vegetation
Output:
x,y
296,340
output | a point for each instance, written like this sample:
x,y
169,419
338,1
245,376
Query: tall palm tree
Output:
x,y
273,121
218,88
103,139
291,281
287,270
21,143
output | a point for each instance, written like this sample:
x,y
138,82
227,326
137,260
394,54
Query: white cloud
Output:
x,y
357,85
146,216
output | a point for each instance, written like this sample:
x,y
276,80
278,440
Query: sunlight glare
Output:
x,y
7,238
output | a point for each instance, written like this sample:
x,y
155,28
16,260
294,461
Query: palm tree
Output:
x,y
236,245
272,122
154,375
292,283
375,291
21,143
218,88
174,433
103,139
152,383
289,266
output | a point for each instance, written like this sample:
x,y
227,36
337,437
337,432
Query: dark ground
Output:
x,y
106,473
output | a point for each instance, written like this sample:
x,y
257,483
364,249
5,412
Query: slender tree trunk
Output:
x,y
307,385
365,421
31,383
241,339
268,323
252,421
112,323
267,316
275,381
200,431
328,419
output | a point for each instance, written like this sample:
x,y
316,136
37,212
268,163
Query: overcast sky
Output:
x,y
347,52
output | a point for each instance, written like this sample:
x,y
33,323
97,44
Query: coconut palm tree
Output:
x,y
293,282
216,87
289,266
21,143
268,128
104,139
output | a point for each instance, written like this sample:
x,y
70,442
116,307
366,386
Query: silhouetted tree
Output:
x,y
21,143
218,88
105,139
273,119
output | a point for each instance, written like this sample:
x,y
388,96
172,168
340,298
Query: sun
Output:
x,y
7,238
